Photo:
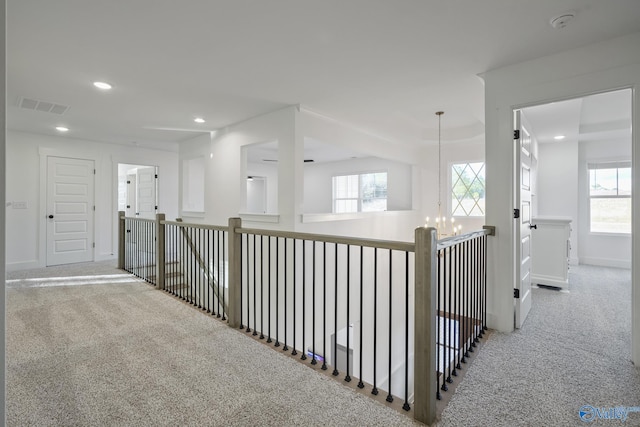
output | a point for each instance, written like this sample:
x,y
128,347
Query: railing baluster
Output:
x,y
304,301
389,395
313,305
285,347
277,343
406,406
262,289
449,319
255,280
295,281
374,391
439,349
335,319
360,383
324,306
347,378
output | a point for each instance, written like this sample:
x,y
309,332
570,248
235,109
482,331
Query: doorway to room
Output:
x,y
70,209
581,156
138,190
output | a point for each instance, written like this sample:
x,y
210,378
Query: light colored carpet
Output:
x,y
574,349
125,354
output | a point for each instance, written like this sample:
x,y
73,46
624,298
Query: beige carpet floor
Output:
x,y
88,345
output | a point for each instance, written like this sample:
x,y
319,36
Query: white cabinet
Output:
x,y
550,251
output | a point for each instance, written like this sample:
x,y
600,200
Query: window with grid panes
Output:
x,y
365,192
610,197
467,189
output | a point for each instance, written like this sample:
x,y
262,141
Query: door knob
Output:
x,y
50,216
533,226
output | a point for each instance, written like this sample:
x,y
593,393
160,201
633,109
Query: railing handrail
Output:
x,y
138,219
194,225
454,240
354,241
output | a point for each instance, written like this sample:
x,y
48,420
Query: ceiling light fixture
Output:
x,y
441,221
559,137
102,85
199,120
62,129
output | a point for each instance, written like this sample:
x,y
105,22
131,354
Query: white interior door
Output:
x,y
522,232
146,192
70,210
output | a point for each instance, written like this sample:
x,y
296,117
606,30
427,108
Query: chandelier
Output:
x,y
441,221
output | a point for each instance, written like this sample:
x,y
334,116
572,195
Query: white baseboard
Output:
x,y
606,262
24,265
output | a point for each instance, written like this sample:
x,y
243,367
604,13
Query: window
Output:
x,y
467,189
610,197
360,193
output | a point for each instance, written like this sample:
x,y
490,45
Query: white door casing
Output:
x,y
70,210
522,232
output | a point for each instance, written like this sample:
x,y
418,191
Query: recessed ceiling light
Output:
x,y
62,129
199,120
559,137
102,85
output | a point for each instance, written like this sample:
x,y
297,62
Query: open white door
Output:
x,y
146,192
70,210
130,210
522,221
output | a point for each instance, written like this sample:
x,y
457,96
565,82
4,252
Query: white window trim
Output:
x,y
359,198
449,188
605,164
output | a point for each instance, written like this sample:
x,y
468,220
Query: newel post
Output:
x,y
425,386
160,251
121,239
235,273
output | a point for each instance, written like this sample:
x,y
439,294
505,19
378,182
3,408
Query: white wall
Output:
x,y
26,182
557,186
389,225
612,250
452,152
226,167
605,66
318,184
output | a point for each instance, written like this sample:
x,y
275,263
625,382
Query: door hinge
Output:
x,y
516,213
156,176
156,208
94,244
516,134
516,293
94,208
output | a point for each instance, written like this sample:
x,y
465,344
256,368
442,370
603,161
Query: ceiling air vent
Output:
x,y
44,106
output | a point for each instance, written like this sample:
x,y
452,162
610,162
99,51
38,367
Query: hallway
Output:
x,y
573,350
89,345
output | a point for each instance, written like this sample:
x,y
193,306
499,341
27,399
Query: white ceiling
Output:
x,y
381,65
599,117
